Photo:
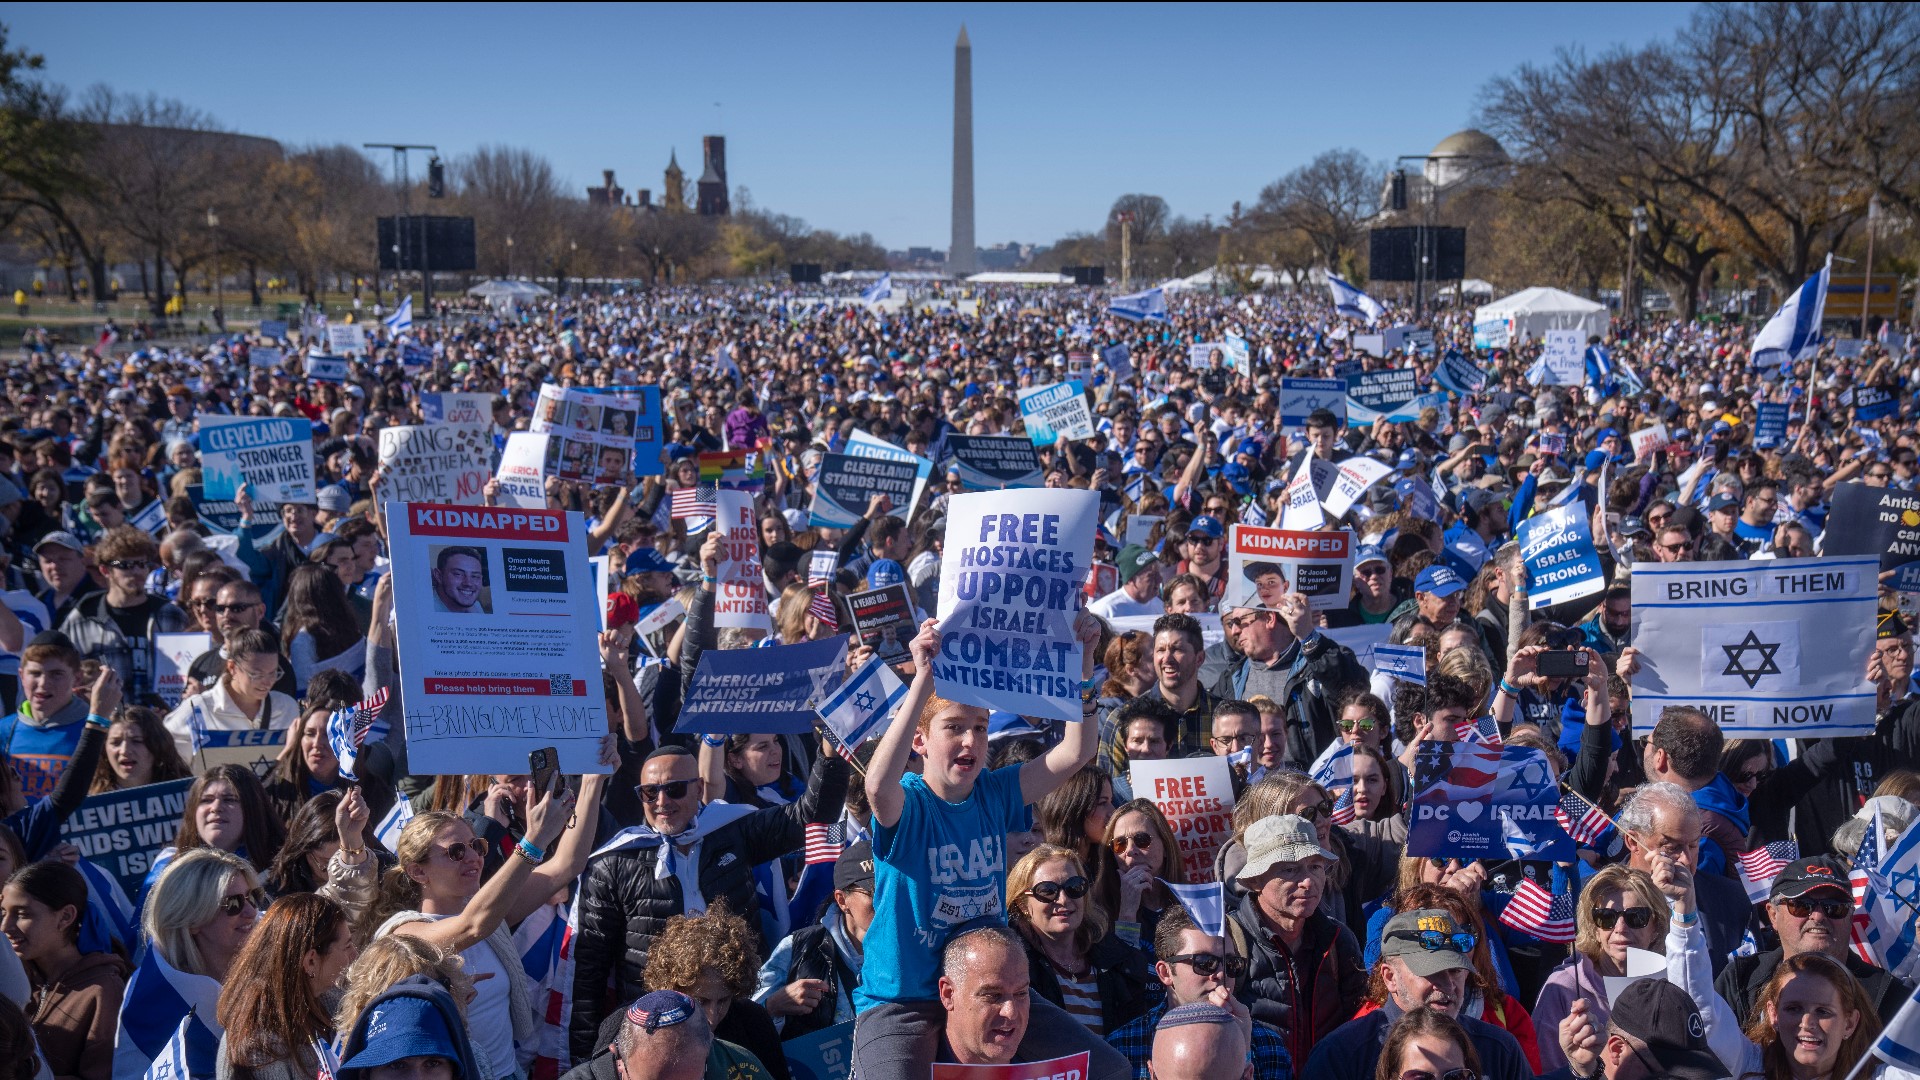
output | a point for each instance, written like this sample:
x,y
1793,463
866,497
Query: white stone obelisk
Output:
x,y
960,256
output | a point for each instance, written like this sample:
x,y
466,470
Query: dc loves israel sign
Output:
x,y
1475,802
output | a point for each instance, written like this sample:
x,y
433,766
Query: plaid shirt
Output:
x,y
1135,1039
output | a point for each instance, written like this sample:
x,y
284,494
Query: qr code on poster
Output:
x,y
560,685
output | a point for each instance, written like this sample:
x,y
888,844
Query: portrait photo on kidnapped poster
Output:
x,y
459,579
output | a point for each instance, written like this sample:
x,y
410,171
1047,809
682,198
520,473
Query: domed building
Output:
x,y
1471,157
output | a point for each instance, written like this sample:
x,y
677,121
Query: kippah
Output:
x,y
1197,1012
660,1009
669,750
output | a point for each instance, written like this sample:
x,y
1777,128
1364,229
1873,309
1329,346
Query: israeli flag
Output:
x,y
1793,334
172,1062
109,916
862,704
1896,909
1333,769
1353,303
1899,1041
168,1020
879,290
1119,360
388,831
401,321
1205,904
1148,306
1408,663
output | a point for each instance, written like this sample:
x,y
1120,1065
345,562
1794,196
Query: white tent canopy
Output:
x,y
1469,287
1017,277
508,290
1532,312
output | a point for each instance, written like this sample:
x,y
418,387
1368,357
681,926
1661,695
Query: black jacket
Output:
x,y
817,956
1744,977
1354,1049
1328,962
623,907
1309,695
1122,975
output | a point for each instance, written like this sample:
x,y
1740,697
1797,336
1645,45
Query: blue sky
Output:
x,y
842,115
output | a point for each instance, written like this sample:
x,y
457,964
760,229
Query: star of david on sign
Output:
x,y
863,701
1738,660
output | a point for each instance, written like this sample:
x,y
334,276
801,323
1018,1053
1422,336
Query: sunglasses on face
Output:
x,y
1450,1074
130,564
1365,723
1370,570
672,789
1142,840
228,609
1205,964
1637,917
1049,891
1435,941
1313,813
1751,777
1832,909
459,850
233,905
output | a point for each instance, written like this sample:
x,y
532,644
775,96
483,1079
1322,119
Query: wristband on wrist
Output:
x,y
94,719
714,740
709,580
1689,919
1508,688
528,851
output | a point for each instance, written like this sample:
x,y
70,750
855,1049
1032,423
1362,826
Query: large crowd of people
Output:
x,y
1001,891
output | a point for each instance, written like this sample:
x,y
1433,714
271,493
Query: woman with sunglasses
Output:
x,y
435,893
1145,855
1426,1044
1619,909
197,917
1072,958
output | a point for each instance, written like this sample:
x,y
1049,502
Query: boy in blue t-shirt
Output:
x,y
939,857
41,738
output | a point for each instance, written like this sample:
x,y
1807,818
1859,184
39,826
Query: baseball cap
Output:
x,y
1633,526
1659,1022
1438,580
1206,525
648,560
854,868
1722,502
1132,559
1236,476
404,1027
1428,941
1278,839
334,500
62,538
1889,625
1805,876
1369,553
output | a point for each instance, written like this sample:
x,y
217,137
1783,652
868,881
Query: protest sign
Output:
x,y
346,339
1393,395
883,620
659,617
1459,373
1056,412
649,432
1877,521
523,470
826,1054
1239,355
1648,441
1388,340
272,329
1420,341
1119,361
1770,649
1770,426
1874,403
1562,358
1072,1067
845,482
1264,565
1010,579
457,408
326,368
1300,502
251,748
121,831
1300,397
594,429
862,445
265,357
415,358
1196,795
740,598
220,515
775,689
1557,548
439,463
496,618
1473,801
272,455
1492,334
1351,479
1140,528
173,654
1202,355
992,462
1848,348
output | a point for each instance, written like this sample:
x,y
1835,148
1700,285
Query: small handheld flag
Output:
x,y
1535,911
856,711
1759,867
1205,904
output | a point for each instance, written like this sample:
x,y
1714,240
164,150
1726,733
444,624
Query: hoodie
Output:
x,y
75,1016
1724,827
418,986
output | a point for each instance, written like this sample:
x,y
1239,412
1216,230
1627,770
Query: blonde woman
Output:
x,y
1619,909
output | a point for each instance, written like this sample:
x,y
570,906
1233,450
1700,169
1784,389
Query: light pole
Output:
x,y
1630,286
509,258
1866,282
219,290
1126,247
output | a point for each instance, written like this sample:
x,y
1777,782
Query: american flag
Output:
x,y
1483,731
1343,806
821,607
349,728
1582,820
824,842
1866,860
696,502
1760,866
1533,910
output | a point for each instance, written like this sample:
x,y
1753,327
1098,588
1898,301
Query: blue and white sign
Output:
x,y
1056,412
863,445
1873,403
1492,334
1770,426
1557,548
326,368
1299,397
1239,356
775,689
1472,801
1459,373
272,455
1394,395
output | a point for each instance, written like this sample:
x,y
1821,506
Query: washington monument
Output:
x,y
960,257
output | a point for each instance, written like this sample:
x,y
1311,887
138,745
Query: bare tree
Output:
x,y
1328,199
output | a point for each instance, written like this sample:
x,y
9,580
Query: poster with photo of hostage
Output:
x,y
497,616
592,430
1264,565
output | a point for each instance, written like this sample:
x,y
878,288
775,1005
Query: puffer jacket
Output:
x,y
1329,954
1309,694
623,907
